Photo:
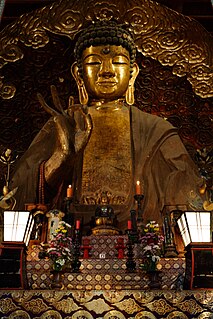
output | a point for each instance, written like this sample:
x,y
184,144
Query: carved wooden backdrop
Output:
x,y
158,91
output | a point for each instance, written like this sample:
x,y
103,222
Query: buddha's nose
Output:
x,y
107,69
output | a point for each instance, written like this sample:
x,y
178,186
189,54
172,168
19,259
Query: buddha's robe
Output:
x,y
159,160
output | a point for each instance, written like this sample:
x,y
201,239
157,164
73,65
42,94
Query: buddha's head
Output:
x,y
105,69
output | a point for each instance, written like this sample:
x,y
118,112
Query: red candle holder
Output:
x,y
120,247
86,248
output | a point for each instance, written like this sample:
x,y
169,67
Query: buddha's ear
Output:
x,y
83,96
130,91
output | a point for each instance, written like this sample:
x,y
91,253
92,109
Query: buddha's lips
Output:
x,y
108,83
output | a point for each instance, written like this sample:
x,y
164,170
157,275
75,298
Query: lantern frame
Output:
x,y
18,226
195,226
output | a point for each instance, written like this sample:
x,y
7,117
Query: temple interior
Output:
x,y
106,275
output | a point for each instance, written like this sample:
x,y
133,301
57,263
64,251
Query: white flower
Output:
x,y
68,225
155,258
63,223
51,249
60,262
147,248
156,247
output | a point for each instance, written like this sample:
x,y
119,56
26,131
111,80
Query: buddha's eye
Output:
x,y
92,61
120,59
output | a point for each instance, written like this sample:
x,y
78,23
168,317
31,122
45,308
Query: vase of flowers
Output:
x,y
57,280
151,242
60,252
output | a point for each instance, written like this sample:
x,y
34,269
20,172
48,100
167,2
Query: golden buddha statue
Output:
x,y
105,144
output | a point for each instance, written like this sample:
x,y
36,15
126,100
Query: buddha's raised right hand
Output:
x,y
73,128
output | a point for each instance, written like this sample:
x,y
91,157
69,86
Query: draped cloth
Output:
x,y
160,161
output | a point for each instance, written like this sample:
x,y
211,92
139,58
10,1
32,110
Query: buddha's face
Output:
x,y
106,71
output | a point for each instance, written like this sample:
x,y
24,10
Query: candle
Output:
x,y
77,225
129,224
69,191
138,188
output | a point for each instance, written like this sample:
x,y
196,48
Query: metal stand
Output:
x,y
139,198
69,218
76,264
130,263
134,234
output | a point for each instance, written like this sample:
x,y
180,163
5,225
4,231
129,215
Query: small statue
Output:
x,y
105,221
54,217
104,215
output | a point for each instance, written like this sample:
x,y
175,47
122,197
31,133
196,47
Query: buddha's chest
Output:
x,y
107,160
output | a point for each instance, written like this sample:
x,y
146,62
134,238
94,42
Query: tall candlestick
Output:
x,y
77,225
69,191
138,188
129,224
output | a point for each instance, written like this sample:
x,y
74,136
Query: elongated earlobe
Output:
x,y
130,99
83,96
130,91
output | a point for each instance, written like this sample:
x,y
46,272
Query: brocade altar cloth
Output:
x,y
103,270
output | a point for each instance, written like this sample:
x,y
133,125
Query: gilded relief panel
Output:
x,y
133,304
